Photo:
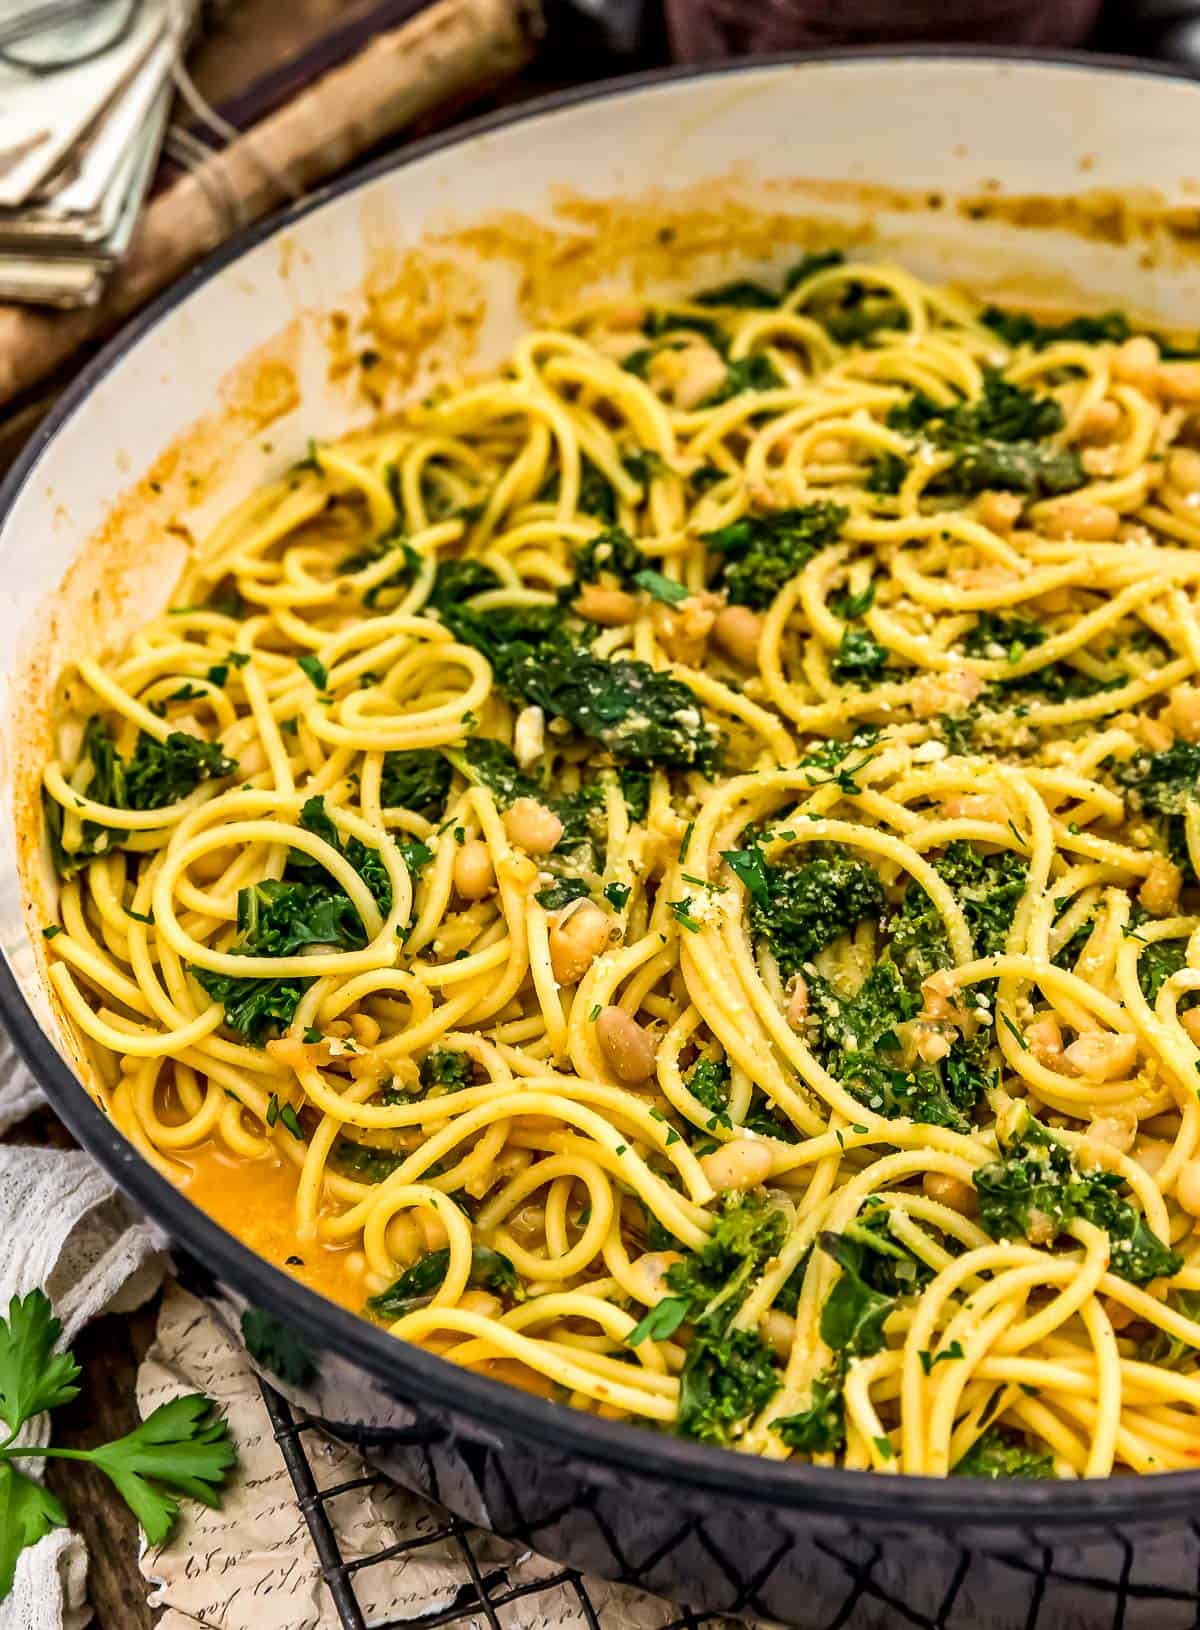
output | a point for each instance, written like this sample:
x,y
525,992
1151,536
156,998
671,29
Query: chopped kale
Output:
x,y
1002,638
635,789
1164,784
560,894
1019,328
741,295
858,1043
367,1161
998,1454
417,1286
727,1374
254,1008
612,554
417,779
886,475
632,709
1036,1188
801,906
821,1428
365,859
764,552
819,260
445,1070
458,580
278,918
988,887
753,373
727,1377
708,1083
159,773
1172,1352
996,440
859,659
492,765
597,496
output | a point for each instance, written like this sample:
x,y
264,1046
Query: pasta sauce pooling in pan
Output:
x,y
670,875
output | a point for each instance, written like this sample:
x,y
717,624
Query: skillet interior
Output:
x,y
701,159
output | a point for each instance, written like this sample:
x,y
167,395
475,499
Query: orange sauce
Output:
x,y
255,1201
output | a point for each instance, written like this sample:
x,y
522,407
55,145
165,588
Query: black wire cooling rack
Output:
x,y
483,1600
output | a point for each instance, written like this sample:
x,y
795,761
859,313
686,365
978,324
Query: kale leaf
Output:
x,y
727,1374
859,659
632,709
444,1070
764,552
1164,784
159,773
996,440
417,779
1019,328
1036,1190
996,1454
458,580
998,637
801,906
418,1284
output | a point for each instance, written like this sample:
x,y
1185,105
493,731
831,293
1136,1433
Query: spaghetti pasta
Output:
x,y
675,869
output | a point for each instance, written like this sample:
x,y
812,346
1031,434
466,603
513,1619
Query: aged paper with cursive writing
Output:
x,y
251,1565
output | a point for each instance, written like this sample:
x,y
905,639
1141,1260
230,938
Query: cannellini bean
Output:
x,y
1079,518
1183,469
999,511
532,827
529,736
702,374
742,1163
405,1241
479,1301
939,996
1100,421
796,1011
975,806
1160,888
577,937
611,608
628,1048
474,874
1116,1131
683,630
1150,1154
433,1229
1179,381
1187,1189
649,1275
738,631
951,1191
1184,711
937,693
1044,1040
1102,1055
931,1042
779,1332
1136,362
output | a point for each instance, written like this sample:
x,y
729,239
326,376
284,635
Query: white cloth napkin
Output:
x,y
64,1230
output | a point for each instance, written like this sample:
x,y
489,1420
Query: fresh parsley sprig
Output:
x,y
182,1449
